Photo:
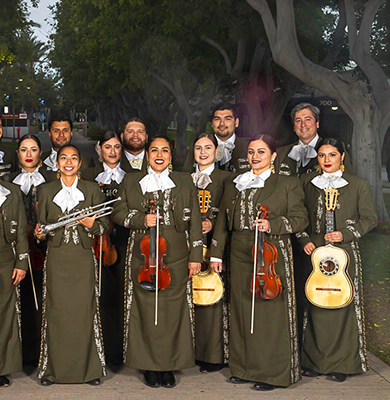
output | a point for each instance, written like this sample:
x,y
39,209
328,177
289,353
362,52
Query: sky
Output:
x,y
42,16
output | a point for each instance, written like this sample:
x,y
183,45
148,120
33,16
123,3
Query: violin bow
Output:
x,y
32,283
157,243
254,277
100,264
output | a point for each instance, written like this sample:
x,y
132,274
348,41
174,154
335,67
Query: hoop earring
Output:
x,y
170,167
100,159
342,166
58,175
319,170
40,164
79,174
272,167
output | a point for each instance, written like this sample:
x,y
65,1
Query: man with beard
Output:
x,y
8,157
231,155
60,133
134,138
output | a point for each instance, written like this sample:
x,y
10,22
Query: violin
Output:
x,y
265,283
103,244
154,274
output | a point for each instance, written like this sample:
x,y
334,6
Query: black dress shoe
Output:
x,y
310,373
4,381
167,379
209,367
338,376
46,382
263,387
94,382
235,379
152,379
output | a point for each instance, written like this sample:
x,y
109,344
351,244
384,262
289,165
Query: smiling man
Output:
x,y
134,139
60,134
231,155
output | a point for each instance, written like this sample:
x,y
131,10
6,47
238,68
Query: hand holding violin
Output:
x,y
263,224
151,220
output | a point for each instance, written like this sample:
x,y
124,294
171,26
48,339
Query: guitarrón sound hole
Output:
x,y
329,266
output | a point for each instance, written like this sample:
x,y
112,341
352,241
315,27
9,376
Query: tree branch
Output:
x,y
223,52
261,6
240,59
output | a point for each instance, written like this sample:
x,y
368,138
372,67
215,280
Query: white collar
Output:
x,y
110,174
27,179
231,140
312,143
1,156
333,180
208,171
139,156
153,181
51,161
249,180
69,196
4,192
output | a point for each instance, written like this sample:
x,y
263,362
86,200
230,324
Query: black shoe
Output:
x,y
235,379
310,373
167,379
94,382
209,367
4,381
338,376
152,379
263,387
46,382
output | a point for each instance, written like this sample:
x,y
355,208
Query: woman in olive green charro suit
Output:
x,y
72,348
212,321
334,339
13,267
160,349
268,357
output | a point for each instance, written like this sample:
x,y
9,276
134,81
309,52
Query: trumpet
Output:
x,y
100,210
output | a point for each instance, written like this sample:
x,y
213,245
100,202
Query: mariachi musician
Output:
x,y
72,348
159,347
253,352
211,321
13,267
334,340
109,175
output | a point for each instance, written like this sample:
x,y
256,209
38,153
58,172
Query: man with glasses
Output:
x,y
60,133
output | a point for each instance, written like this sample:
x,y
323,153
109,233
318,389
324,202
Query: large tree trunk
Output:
x,y
181,136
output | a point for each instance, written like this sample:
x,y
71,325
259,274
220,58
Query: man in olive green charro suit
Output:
x,y
13,264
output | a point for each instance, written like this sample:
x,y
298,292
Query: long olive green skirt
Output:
x,y
10,333
334,340
72,347
270,354
169,345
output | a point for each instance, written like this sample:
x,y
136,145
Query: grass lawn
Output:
x,y
375,252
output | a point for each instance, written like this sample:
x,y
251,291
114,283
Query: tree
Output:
x,y
363,91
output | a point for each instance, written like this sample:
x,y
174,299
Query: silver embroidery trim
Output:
x,y
251,216
320,212
291,305
350,222
191,311
300,235
18,310
286,173
359,306
130,215
75,236
187,240
214,211
225,331
287,224
128,298
166,206
354,231
13,225
197,243
23,256
242,209
214,243
186,214
43,357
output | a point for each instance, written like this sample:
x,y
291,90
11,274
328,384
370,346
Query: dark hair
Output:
x,y
332,142
303,106
134,119
58,117
207,135
267,139
30,136
225,106
165,137
61,149
106,136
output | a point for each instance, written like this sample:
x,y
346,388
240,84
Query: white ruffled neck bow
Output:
x,y
249,180
110,174
69,196
27,179
4,192
153,181
51,161
333,180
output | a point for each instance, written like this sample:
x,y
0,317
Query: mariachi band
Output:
x,y
133,262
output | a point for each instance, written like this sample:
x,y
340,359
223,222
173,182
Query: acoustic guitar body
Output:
x,y
329,285
207,288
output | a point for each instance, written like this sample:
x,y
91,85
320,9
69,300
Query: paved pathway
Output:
x,y
126,383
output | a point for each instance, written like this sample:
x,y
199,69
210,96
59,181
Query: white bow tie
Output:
x,y
302,154
110,174
27,179
51,161
4,192
68,197
249,180
153,182
225,150
201,180
1,156
136,163
330,181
